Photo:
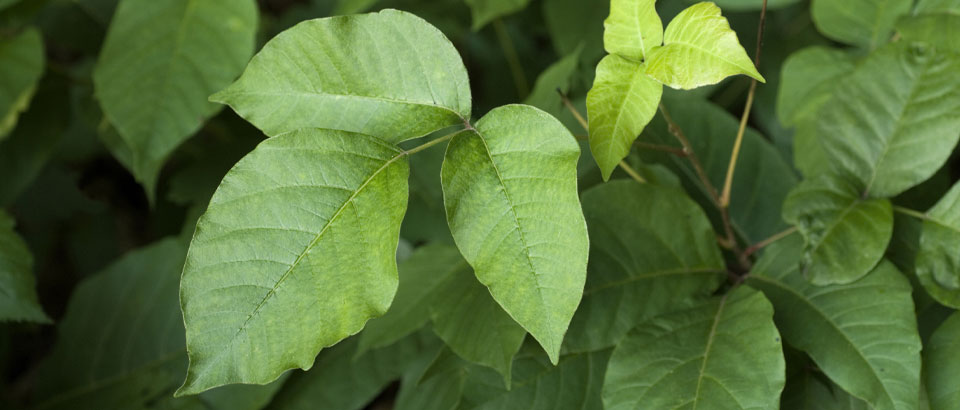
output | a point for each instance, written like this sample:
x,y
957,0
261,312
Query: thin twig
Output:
x,y
911,212
573,110
513,59
632,172
764,243
431,143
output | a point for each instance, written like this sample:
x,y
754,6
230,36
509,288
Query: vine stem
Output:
x,y
583,123
911,212
766,242
513,59
431,143
728,182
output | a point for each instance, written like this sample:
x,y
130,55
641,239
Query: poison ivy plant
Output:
x,y
19,301
21,64
865,23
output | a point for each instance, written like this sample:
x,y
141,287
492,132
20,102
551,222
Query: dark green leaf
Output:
x,y
938,258
21,64
485,11
941,360
864,23
19,298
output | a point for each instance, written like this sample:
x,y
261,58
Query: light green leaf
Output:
x,y
621,103
18,298
21,64
864,23
941,30
725,353
160,61
422,276
300,240
862,335
120,344
510,192
632,29
941,359
894,121
699,48
938,6
938,259
808,80
652,250
388,74
845,234
485,11
556,77
475,327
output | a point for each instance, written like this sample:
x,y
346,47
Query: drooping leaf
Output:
x,y
556,77
845,234
938,258
121,345
862,335
808,80
864,23
388,74
300,239
621,103
894,121
941,30
18,298
160,61
632,29
21,64
941,362
938,6
652,249
485,11
510,193
699,48
700,356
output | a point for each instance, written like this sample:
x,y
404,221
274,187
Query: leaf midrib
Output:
x,y
219,97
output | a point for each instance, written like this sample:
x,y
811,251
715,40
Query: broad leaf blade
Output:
x,y
700,357
699,48
510,193
389,74
941,30
19,298
941,359
621,103
845,234
300,238
808,80
652,249
633,28
160,62
938,6
21,64
938,258
863,335
894,121
864,23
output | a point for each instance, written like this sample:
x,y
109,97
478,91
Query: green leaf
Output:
x,y
621,103
21,64
699,48
808,80
160,61
485,11
938,262
725,353
862,335
845,234
433,384
300,239
475,327
653,249
120,344
941,30
938,6
864,23
510,192
633,28
388,74
941,359
556,77
748,5
19,301
894,121
566,21
806,391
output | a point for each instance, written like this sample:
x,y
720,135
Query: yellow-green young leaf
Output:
x,y
299,241
938,258
722,354
632,29
938,6
862,335
621,103
940,30
845,234
120,344
699,48
18,298
21,64
389,74
941,363
510,192
894,121
652,250
808,80
864,23
485,11
160,61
